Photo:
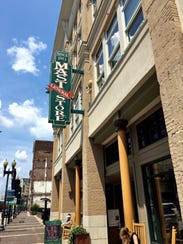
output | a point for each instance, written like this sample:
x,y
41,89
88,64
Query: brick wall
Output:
x,y
167,41
42,152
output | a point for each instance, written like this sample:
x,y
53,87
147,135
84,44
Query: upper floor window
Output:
x,y
100,66
151,129
74,59
111,152
113,40
133,16
77,104
79,11
94,7
60,141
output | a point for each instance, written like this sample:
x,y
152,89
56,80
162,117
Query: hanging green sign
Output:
x,y
60,90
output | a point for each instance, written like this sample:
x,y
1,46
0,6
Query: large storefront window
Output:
x,y
161,200
151,129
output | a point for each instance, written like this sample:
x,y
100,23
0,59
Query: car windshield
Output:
x,y
169,209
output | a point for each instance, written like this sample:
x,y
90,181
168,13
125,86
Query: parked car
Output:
x,y
171,214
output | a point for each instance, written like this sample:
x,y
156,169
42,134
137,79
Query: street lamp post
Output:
x,y
7,172
45,199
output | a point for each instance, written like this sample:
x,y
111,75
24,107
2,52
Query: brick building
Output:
x,y
122,159
41,173
25,186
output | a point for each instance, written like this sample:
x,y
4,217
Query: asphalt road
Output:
x,y
24,229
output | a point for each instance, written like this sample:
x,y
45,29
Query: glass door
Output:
x,y
161,199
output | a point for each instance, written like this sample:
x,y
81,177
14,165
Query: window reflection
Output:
x,y
151,129
161,200
135,24
133,16
113,38
100,67
99,62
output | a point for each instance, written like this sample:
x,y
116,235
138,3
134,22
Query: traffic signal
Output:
x,y
18,190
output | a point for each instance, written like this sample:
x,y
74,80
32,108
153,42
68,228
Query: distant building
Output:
x,y
25,184
41,173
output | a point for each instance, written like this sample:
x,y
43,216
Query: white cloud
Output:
x,y
35,47
23,55
41,129
27,115
21,155
115,38
4,121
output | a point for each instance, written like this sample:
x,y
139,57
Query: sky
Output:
x,y
27,34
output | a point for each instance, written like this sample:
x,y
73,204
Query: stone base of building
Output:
x,y
96,226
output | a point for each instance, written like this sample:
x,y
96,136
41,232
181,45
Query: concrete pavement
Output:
x,y
25,228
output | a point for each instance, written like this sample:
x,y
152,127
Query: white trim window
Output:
x,y
94,8
60,141
72,124
100,67
133,16
74,59
78,105
113,42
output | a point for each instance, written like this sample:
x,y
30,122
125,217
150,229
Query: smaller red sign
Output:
x,y
60,91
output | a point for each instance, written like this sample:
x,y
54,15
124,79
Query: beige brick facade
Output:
x,y
167,42
131,53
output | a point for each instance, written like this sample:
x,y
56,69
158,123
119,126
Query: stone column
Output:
x,y
67,201
55,193
60,197
125,174
77,197
94,202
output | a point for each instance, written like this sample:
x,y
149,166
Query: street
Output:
x,y
25,228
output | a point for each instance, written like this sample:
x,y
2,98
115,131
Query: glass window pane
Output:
x,y
161,200
137,21
151,129
130,9
112,35
113,40
99,62
115,58
123,1
100,66
112,26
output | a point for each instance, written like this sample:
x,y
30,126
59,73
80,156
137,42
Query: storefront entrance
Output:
x,y
161,199
114,212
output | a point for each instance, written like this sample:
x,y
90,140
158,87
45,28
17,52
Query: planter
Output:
x,y
79,235
82,238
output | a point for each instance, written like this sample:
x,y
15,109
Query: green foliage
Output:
x,y
34,208
74,231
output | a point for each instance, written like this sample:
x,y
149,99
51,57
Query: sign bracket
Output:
x,y
77,111
78,71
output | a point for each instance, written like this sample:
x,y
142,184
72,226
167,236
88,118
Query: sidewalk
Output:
x,y
25,228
